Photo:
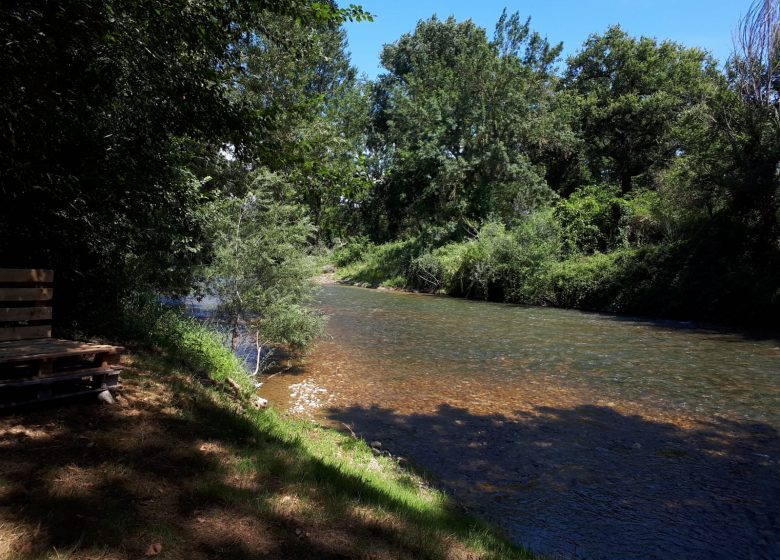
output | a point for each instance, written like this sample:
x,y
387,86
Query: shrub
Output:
x,y
592,219
262,267
584,281
644,221
485,266
426,273
352,251
503,264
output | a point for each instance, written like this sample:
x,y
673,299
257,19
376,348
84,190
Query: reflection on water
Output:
x,y
584,435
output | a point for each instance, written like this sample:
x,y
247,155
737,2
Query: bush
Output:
x,y
646,219
503,264
426,273
584,282
352,251
593,219
261,271
486,265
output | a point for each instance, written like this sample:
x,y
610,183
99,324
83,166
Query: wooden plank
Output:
x,y
22,333
105,359
25,313
27,350
41,342
37,275
26,294
55,343
76,374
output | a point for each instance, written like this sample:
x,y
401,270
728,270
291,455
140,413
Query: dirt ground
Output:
x,y
84,479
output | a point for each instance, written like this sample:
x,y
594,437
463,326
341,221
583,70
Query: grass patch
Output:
x,y
184,340
380,265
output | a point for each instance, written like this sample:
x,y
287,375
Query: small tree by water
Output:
x,y
262,271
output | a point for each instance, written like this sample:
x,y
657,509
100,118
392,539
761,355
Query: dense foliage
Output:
x,y
636,176
261,271
119,119
447,145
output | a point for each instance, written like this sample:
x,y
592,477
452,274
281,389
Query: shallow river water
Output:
x,y
583,435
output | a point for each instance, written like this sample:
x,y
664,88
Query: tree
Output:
x,y
314,111
752,125
113,112
755,64
456,121
635,95
261,273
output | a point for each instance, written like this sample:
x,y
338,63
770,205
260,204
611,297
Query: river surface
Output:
x,y
583,435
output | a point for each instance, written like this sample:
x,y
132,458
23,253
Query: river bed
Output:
x,y
583,435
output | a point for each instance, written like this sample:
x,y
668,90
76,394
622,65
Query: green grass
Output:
x,y
328,478
158,327
380,265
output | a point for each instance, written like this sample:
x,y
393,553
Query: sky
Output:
x,y
707,24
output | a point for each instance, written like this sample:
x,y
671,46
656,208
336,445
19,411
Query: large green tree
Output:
x,y
632,98
314,110
457,120
112,113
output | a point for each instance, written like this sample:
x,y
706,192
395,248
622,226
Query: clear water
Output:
x,y
583,435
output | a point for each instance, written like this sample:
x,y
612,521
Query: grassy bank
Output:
x,y
710,278
183,467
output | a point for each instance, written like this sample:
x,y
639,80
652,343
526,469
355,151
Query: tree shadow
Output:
x,y
590,482
109,481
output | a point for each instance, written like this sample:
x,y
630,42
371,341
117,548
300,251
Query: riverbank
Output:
x,y
694,281
182,467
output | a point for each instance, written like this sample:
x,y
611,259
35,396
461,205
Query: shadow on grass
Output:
x,y
179,468
590,482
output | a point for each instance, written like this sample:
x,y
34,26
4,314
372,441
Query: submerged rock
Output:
x,y
308,396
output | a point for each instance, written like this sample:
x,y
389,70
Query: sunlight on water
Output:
x,y
584,435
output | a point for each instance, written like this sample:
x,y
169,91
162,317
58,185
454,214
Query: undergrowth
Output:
x,y
710,277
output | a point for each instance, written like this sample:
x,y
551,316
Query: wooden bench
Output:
x,y
33,365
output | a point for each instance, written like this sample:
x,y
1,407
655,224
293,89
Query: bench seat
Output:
x,y
50,348
33,365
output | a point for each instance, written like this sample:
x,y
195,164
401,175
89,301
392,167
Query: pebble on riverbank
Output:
x,y
307,396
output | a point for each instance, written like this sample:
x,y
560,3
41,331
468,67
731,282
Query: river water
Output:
x,y
583,435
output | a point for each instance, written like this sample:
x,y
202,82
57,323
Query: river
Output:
x,y
583,435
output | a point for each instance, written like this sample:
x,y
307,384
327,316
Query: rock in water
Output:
x,y
261,403
106,397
